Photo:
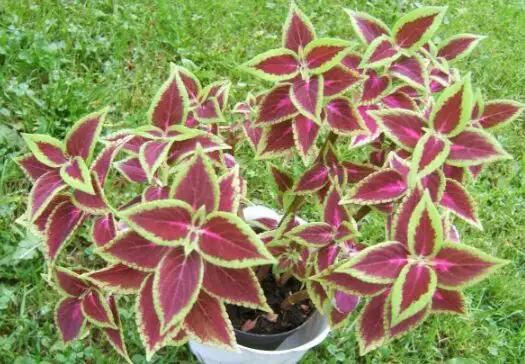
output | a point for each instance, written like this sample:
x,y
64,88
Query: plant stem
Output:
x,y
298,200
293,299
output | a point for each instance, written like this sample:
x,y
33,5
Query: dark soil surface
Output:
x,y
259,322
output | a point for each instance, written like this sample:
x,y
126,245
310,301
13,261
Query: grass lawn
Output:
x,y
60,59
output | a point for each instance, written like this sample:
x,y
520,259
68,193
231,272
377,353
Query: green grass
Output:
x,y
62,59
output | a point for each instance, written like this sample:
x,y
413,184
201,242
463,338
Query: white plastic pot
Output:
x,y
292,349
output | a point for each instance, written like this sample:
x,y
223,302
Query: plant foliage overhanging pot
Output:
x,y
422,122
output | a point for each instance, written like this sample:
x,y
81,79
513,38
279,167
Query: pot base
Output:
x,y
290,351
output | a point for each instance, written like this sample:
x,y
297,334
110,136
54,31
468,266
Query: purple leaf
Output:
x,y
343,118
276,106
61,226
82,137
69,318
196,183
307,96
170,105
176,286
298,31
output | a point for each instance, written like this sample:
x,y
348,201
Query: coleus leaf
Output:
x,y
356,172
153,193
343,118
457,200
44,190
274,65
102,164
474,147
132,170
220,90
374,87
411,70
459,266
313,234
152,155
307,96
399,100
148,323
277,106
196,183
499,112
82,137
338,79
276,140
348,283
235,286
116,336
380,263
366,26
230,191
404,326
191,83
414,29
430,153
182,149
208,322
453,110
379,187
325,257
305,132
253,134
458,46
133,250
313,179
46,149
69,282
322,54
372,323
425,232
227,241
403,127
96,309
298,30
32,167
118,278
317,294
340,311
96,203
176,286
208,111
403,214
380,52
449,301
41,221
283,180
69,318
62,224
334,214
165,222
170,104
104,229
412,291
76,174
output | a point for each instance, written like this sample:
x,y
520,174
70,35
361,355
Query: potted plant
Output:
x,y
168,211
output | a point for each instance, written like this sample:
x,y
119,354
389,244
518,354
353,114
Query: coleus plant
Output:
x,y
180,243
